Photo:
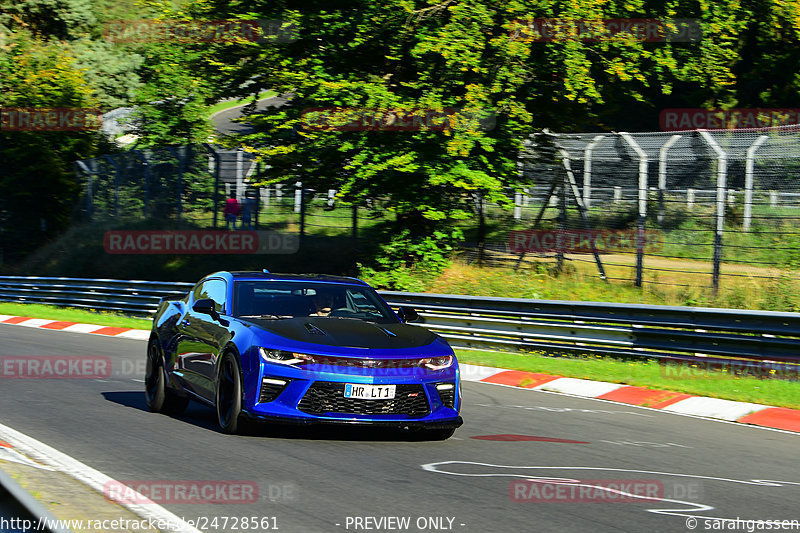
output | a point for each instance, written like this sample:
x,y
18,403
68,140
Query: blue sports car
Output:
x,y
300,348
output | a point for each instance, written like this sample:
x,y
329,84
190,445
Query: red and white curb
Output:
x,y
674,402
75,327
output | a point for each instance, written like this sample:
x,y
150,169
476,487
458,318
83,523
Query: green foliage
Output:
x,y
37,185
407,262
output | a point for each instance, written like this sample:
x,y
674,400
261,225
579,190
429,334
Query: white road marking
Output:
x,y
493,470
91,477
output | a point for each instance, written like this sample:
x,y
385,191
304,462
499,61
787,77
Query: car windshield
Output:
x,y
289,299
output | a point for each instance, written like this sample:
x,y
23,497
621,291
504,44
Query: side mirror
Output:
x,y
408,314
206,306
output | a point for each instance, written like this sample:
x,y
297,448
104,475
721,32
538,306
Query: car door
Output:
x,y
200,336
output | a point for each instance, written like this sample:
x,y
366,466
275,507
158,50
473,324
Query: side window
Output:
x,y
214,289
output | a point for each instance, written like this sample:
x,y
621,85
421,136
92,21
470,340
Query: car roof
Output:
x,y
256,275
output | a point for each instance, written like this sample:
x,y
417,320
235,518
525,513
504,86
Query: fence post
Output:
x,y
213,153
114,164
773,198
617,195
331,198
690,198
302,196
517,205
81,166
181,160
298,197
642,205
146,165
587,170
662,175
722,176
748,180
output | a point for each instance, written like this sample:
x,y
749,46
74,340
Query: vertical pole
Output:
x,y
239,175
722,176
298,197
114,164
562,222
517,205
354,223
640,240
587,170
213,153
748,181
690,198
662,175
302,210
617,195
146,165
481,228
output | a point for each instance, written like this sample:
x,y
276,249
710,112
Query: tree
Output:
x,y
38,187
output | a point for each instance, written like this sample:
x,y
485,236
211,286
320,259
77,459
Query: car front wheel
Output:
x,y
229,394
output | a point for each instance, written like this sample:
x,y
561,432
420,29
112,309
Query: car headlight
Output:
x,y
437,363
283,357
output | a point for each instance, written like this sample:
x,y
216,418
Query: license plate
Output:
x,y
369,392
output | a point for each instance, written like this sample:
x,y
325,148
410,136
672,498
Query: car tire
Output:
x,y
228,397
157,396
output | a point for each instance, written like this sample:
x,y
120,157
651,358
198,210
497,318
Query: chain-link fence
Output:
x,y
688,209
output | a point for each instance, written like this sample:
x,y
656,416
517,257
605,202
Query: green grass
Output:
x,y
71,314
222,106
648,374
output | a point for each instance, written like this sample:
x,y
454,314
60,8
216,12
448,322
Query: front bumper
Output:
x,y
423,399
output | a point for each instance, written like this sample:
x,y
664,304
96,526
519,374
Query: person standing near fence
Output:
x,y
248,209
232,209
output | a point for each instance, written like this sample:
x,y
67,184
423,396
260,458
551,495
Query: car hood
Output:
x,y
345,333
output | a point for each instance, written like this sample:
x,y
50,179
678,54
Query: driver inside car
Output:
x,y
323,304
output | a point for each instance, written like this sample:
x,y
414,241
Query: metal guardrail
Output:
x,y
135,297
760,339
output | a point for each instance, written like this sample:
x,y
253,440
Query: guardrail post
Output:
x,y
748,180
722,176
642,205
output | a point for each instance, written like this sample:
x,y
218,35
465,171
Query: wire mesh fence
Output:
x,y
688,209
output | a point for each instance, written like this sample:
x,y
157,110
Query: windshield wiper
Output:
x,y
267,317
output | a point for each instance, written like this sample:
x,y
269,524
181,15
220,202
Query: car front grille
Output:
x,y
325,397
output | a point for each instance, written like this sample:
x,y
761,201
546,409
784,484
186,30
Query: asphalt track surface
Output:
x,y
323,480
224,121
